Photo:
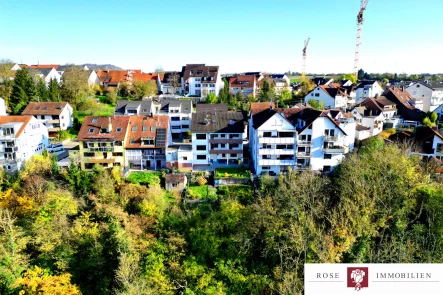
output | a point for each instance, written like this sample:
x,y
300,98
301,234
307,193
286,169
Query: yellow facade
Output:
x,y
108,154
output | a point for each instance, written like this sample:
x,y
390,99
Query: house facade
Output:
x,y
367,89
429,95
331,95
179,157
200,80
246,84
179,113
364,118
54,115
21,137
218,138
102,141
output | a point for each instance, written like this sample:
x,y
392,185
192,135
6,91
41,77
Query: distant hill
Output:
x,y
105,66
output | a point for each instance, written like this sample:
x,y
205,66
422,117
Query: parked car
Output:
x,y
53,148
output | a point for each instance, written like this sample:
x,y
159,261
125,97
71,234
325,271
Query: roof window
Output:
x,y
118,129
134,128
45,108
91,130
94,120
145,128
37,108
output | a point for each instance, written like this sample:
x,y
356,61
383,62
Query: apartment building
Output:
x,y
146,142
217,138
246,84
367,89
21,137
54,115
200,80
102,141
425,94
179,113
298,138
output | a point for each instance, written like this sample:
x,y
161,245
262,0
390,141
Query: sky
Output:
x,y
403,36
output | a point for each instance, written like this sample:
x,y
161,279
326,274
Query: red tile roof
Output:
x,y
47,66
117,76
257,107
44,108
16,119
92,127
152,125
242,81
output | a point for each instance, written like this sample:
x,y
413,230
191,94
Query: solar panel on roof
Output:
x,y
160,138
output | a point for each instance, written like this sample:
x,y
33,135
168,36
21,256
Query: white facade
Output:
x,y
370,90
20,139
180,121
179,157
55,123
198,87
330,102
2,107
93,78
425,96
375,123
53,74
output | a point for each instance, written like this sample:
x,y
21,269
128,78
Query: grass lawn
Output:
x,y
144,177
201,192
232,172
101,110
241,192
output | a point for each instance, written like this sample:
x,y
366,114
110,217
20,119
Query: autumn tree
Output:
x,y
140,89
174,81
75,87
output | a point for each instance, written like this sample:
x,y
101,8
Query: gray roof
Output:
x,y
216,107
145,107
220,122
185,105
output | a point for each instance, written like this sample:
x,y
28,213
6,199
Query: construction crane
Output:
x,y
363,4
303,68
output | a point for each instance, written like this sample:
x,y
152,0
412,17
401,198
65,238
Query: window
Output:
x,y
234,135
185,126
201,157
201,148
233,155
317,94
200,136
91,130
327,156
222,145
266,167
37,108
132,140
267,146
134,128
117,143
326,168
222,135
94,120
88,154
85,145
329,132
185,118
175,118
45,108
267,134
223,155
185,158
118,129
264,157
197,85
234,145
117,154
145,128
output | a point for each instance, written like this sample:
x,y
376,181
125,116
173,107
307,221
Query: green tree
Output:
x,y
316,104
75,87
350,77
140,89
111,96
361,74
174,81
286,94
42,93
23,90
436,78
211,98
53,90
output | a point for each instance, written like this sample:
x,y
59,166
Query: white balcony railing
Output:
x,y
334,150
303,155
276,162
330,138
290,140
276,152
304,142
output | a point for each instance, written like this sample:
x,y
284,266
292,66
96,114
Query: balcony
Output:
x,y
304,155
225,140
101,149
335,150
54,121
11,149
276,162
102,160
288,140
330,138
276,151
218,152
7,136
304,143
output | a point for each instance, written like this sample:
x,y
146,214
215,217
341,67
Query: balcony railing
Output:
x,y
11,149
303,155
101,149
102,160
279,140
334,150
263,151
276,162
7,136
304,143
330,138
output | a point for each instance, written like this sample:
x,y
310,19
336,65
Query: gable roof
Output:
x,y
220,122
242,81
174,178
153,125
364,83
200,70
423,133
116,76
43,66
144,105
96,124
44,108
16,119
184,105
333,90
214,107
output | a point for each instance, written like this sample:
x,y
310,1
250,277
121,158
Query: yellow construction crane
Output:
x,y
303,68
360,19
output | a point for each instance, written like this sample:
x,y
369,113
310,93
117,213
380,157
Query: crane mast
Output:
x,y
303,68
359,31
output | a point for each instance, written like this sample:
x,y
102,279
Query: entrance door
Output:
x,y
159,164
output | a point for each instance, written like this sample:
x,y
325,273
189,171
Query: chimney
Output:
x,y
109,124
403,88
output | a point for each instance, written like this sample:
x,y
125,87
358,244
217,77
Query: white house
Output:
x,y
331,95
367,89
246,84
180,115
364,118
200,80
430,141
179,157
429,95
137,107
298,138
2,107
54,115
217,138
92,78
21,137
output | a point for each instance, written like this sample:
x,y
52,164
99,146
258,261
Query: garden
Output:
x,y
145,178
232,172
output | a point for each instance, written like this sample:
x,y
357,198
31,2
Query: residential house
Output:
x,y
281,77
278,82
217,138
54,115
430,141
200,80
439,112
430,95
146,142
179,113
246,84
321,81
102,141
171,83
21,137
408,113
331,95
298,138
175,181
367,89
179,157
92,77
134,108
113,78
365,119
382,105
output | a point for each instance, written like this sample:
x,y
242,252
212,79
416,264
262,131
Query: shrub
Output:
x,y
391,131
62,135
201,181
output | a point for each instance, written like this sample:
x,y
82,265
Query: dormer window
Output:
x,y
95,120
134,128
91,130
45,108
152,128
132,140
145,128
58,107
